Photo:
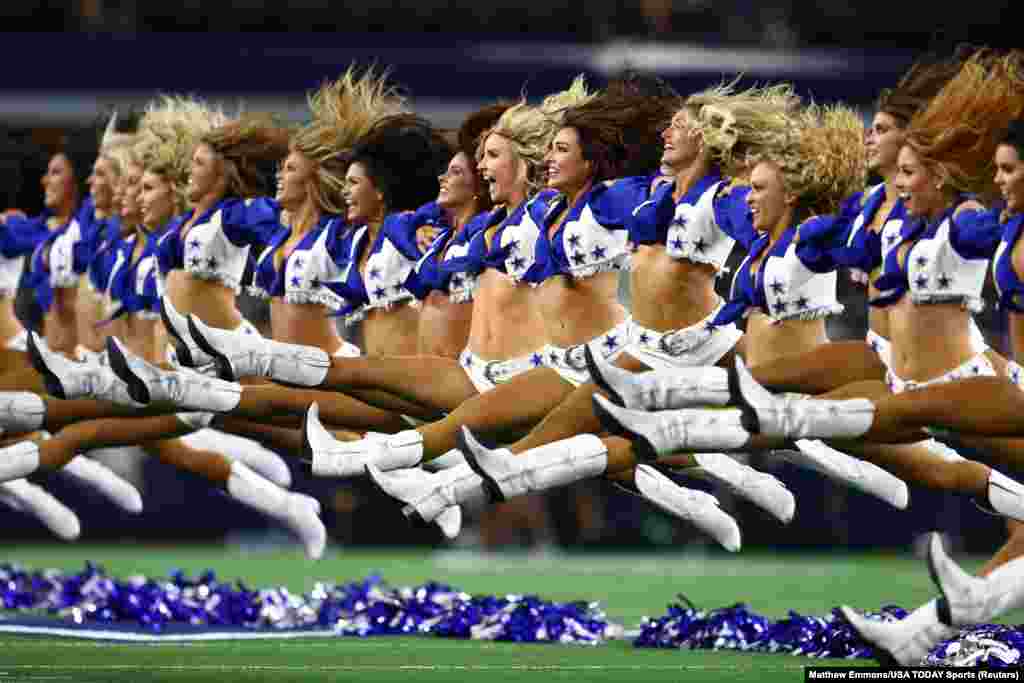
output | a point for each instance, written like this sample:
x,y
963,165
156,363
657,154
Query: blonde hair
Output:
x,y
531,129
959,130
343,112
821,156
734,125
168,133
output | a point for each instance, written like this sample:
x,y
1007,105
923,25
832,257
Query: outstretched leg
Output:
x,y
822,369
432,381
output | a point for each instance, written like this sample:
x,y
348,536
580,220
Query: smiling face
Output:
x,y
205,175
459,184
919,186
681,144
294,178
567,170
129,189
503,172
365,202
102,182
59,185
1010,177
883,142
156,200
768,199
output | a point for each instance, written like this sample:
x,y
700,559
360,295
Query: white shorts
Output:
x,y
979,366
571,364
18,342
698,345
1015,373
486,374
348,350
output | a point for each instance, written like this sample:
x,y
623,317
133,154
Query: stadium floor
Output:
x,y
629,586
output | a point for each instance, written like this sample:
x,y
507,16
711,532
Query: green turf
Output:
x,y
629,586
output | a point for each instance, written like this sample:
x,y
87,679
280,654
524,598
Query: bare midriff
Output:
x,y
766,341
9,325
391,331
578,310
60,325
668,293
506,322
211,301
306,324
444,325
90,312
928,340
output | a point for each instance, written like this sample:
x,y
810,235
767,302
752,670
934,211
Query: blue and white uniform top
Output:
x,y
18,238
133,286
1009,285
859,248
381,282
453,262
513,247
216,247
51,265
947,261
593,237
794,281
308,269
701,226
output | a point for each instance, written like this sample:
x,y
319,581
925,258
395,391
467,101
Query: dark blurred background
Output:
x,y
450,57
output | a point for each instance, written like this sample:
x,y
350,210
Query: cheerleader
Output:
x,y
810,167
866,228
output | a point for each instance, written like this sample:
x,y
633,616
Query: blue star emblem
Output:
x,y
921,281
678,244
299,262
467,361
598,252
700,245
374,273
574,240
682,221
194,262
802,302
921,261
212,262
513,245
518,262
610,342
579,259
777,287
554,357
380,292
779,307
296,282
1015,376
976,370
644,338
456,281
194,244
944,281
891,238
536,360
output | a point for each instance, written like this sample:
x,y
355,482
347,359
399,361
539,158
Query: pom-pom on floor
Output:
x,y
626,587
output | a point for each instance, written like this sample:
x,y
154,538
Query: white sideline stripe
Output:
x,y
130,637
